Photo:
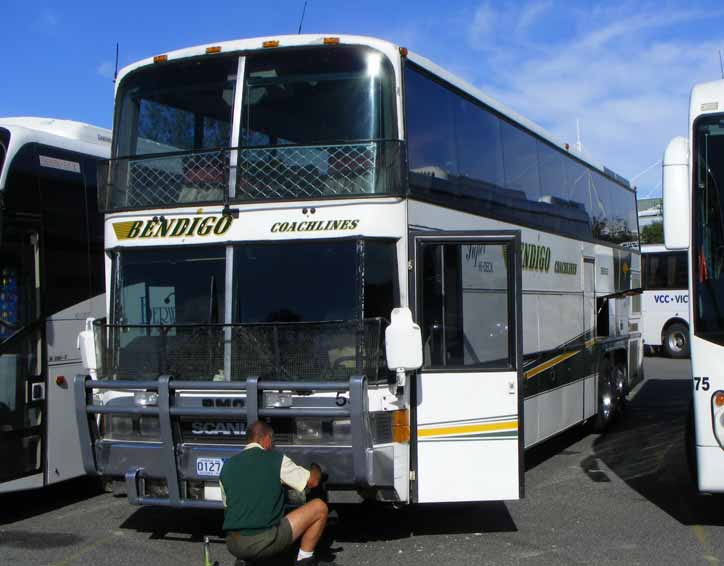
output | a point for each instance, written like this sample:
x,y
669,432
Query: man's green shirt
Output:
x,y
252,491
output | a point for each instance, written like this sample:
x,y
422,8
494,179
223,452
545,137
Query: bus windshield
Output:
x,y
325,298
305,96
313,122
317,96
708,229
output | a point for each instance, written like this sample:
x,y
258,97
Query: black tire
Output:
x,y
606,398
675,341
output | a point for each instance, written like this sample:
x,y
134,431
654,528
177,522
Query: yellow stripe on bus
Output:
x,y
463,429
549,364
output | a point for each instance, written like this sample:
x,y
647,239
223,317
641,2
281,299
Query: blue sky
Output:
x,y
623,69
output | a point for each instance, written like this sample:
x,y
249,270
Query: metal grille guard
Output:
x,y
257,173
86,410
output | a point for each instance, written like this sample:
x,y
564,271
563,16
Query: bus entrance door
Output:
x,y
468,408
22,386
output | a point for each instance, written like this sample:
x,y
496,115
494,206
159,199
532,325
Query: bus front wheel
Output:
x,y
676,341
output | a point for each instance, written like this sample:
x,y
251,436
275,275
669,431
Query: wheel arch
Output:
x,y
669,323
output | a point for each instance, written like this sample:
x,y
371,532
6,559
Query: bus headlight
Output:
x,y
145,398
119,427
308,429
342,431
717,414
149,427
276,399
127,427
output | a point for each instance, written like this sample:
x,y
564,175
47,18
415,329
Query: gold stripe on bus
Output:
x,y
549,364
122,229
463,429
590,343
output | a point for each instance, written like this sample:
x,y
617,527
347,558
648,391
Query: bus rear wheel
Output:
x,y
606,397
676,341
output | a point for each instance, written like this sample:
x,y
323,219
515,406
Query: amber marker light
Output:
x,y
403,52
271,43
719,399
331,41
214,49
160,58
401,426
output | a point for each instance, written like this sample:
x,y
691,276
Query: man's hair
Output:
x,y
258,430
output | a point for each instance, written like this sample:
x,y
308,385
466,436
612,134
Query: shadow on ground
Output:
x,y
348,524
25,504
646,449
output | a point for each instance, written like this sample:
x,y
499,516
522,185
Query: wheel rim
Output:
x,y
606,403
676,341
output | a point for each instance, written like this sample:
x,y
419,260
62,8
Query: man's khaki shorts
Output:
x,y
270,542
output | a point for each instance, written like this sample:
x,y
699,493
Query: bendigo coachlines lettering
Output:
x,y
315,226
536,258
161,227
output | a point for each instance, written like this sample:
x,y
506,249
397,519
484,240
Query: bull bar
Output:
x,y
358,466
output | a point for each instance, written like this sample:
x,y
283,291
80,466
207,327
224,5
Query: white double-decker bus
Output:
x,y
665,300
51,280
275,207
693,177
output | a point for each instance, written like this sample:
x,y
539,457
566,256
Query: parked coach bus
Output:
x,y
693,177
665,300
408,281
51,279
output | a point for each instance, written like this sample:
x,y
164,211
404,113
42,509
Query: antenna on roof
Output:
x,y
579,145
721,66
115,73
301,21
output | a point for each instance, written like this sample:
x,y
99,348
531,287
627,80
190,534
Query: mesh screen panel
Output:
x,y
323,351
264,173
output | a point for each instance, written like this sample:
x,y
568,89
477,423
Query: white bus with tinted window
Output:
x,y
693,183
51,280
665,300
407,280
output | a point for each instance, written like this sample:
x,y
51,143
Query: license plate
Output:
x,y
209,466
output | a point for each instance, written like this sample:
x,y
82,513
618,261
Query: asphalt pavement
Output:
x,y
619,498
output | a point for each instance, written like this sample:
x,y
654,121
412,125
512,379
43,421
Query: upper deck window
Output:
x,y
306,96
176,107
466,155
314,122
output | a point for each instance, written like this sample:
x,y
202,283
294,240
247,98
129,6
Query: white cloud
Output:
x,y
621,69
48,18
481,25
106,69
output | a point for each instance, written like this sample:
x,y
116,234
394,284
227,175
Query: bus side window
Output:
x,y
465,306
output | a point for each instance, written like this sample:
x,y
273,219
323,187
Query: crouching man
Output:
x,y
252,489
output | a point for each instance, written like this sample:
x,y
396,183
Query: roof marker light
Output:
x,y
214,49
160,58
270,43
403,51
331,41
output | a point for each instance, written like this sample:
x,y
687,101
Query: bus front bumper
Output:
x,y
174,473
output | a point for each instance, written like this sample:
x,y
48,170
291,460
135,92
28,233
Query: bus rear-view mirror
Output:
x,y
403,342
676,194
87,346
